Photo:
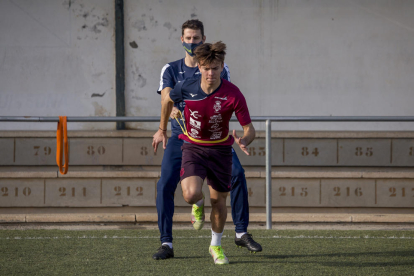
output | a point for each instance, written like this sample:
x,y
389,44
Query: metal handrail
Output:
x,y
254,118
267,119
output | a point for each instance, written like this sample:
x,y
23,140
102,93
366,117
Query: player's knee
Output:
x,y
191,197
218,203
220,208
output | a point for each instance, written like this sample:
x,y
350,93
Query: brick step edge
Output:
x,y
183,217
392,173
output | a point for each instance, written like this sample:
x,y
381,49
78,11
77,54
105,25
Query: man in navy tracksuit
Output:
x,y
171,74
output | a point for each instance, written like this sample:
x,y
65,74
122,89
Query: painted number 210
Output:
x,y
5,191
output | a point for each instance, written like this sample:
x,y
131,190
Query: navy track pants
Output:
x,y
170,177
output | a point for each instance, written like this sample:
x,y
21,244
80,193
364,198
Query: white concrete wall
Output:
x,y
317,58
289,57
54,56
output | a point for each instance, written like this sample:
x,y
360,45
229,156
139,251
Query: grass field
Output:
x,y
128,252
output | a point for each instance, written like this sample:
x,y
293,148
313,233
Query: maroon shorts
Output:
x,y
213,162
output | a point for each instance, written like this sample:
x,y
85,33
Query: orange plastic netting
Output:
x,y
62,144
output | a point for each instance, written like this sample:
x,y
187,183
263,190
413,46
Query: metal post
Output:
x,y
268,174
119,62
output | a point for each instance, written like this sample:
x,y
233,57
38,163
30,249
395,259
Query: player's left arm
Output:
x,y
248,137
243,116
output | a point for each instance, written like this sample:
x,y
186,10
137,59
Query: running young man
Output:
x,y
207,149
172,74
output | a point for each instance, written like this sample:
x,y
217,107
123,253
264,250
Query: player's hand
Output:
x,y
159,136
175,113
240,142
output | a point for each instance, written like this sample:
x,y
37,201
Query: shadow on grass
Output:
x,y
382,253
249,262
345,263
191,257
366,264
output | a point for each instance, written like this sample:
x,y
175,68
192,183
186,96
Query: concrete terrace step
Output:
x,y
97,148
250,172
317,177
114,186
186,217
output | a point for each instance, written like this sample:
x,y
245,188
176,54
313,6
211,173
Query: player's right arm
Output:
x,y
161,134
174,95
165,92
174,112
167,83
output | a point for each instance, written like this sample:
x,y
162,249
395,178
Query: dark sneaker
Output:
x,y
164,252
247,241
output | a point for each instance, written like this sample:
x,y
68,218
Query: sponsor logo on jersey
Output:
x,y
215,126
194,133
215,135
193,95
194,136
195,123
217,106
181,72
198,73
215,119
224,99
214,130
194,114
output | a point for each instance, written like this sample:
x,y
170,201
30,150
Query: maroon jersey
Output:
x,y
207,116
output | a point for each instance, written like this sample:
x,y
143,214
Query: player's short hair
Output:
x,y
206,53
193,24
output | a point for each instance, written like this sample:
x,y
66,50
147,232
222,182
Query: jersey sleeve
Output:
x,y
225,74
177,93
241,110
166,78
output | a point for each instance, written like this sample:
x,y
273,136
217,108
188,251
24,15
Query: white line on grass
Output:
x,y
206,237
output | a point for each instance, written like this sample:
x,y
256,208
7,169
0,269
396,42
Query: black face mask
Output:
x,y
190,47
